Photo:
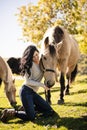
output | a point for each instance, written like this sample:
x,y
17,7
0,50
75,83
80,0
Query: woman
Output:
x,y
30,99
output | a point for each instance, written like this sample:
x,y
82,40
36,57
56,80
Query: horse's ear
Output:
x,y
46,41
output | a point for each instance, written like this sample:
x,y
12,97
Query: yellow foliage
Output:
x,y
35,19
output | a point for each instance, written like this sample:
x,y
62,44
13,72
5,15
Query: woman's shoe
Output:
x,y
7,114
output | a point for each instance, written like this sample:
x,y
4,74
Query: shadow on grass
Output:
x,y
53,90
76,104
79,92
82,81
55,122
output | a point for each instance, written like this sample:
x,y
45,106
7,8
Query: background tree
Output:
x,y
72,14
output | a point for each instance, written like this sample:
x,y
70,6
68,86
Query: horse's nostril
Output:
x,y
13,104
49,84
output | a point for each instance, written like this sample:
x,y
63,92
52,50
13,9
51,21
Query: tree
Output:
x,y
35,19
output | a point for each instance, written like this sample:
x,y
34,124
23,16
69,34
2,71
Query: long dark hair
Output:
x,y
27,59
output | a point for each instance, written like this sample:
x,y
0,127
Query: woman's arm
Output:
x,y
34,79
34,83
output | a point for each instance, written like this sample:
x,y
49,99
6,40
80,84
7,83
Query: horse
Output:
x,y
9,82
14,64
59,51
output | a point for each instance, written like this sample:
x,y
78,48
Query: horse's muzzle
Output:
x,y
13,104
49,83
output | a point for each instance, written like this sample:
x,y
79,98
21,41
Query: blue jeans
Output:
x,y
31,101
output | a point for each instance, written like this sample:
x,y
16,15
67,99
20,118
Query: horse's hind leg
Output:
x,y
70,77
62,83
48,96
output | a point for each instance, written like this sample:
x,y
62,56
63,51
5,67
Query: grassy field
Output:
x,y
73,114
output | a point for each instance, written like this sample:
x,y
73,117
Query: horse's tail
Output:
x,y
0,81
74,73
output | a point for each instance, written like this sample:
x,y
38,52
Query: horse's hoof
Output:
x,y
60,102
67,93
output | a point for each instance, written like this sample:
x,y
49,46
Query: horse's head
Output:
x,y
48,63
10,91
56,35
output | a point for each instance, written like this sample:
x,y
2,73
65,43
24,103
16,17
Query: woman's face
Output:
x,y
36,57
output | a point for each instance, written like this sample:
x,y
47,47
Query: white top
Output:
x,y
34,80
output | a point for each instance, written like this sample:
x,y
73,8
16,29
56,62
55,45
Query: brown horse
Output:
x,y
6,77
59,49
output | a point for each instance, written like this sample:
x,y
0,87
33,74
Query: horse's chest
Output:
x,y
60,62
61,56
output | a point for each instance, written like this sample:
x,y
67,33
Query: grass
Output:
x,y
73,114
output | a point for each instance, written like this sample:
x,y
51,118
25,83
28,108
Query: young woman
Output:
x,y
31,101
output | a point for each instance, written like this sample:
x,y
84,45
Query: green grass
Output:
x,y
72,113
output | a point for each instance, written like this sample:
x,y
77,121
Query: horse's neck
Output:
x,y
8,75
3,68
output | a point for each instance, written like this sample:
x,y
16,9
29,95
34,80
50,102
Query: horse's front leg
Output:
x,y
48,96
62,88
67,86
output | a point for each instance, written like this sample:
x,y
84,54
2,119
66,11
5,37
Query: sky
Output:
x,y
10,31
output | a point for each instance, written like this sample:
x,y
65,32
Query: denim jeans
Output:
x,y
30,101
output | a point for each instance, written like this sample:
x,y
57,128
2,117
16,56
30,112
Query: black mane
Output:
x,y
14,64
58,34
